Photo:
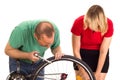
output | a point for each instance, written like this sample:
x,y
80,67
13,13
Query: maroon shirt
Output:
x,y
90,39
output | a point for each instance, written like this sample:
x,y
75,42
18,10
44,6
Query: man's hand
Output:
x,y
32,56
58,55
57,52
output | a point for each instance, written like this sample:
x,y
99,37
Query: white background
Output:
x,y
62,13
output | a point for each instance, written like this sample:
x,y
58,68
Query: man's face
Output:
x,y
46,41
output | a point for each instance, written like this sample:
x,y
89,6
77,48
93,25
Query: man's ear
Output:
x,y
38,37
35,36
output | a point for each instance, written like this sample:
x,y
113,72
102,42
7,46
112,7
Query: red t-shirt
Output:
x,y
90,39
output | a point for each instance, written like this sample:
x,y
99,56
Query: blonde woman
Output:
x,y
91,38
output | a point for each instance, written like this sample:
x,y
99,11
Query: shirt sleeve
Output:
x,y
16,38
77,26
110,29
56,38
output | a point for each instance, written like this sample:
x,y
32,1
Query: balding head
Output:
x,y
45,28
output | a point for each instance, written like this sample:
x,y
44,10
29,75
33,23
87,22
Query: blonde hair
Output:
x,y
95,19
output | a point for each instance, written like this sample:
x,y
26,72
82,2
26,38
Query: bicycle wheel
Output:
x,y
61,69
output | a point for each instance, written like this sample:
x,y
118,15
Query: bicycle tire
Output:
x,y
65,58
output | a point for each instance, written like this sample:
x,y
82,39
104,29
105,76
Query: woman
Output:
x,y
91,38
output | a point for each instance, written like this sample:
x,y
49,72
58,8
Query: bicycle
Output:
x,y
53,73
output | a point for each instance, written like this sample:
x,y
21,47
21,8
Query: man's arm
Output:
x,y
57,52
15,53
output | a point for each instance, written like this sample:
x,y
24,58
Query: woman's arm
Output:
x,y
103,52
76,46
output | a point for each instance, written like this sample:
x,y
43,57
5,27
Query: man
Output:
x,y
30,38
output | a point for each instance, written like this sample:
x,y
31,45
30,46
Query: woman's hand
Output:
x,y
97,76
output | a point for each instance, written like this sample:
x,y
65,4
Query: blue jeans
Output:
x,y
26,68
